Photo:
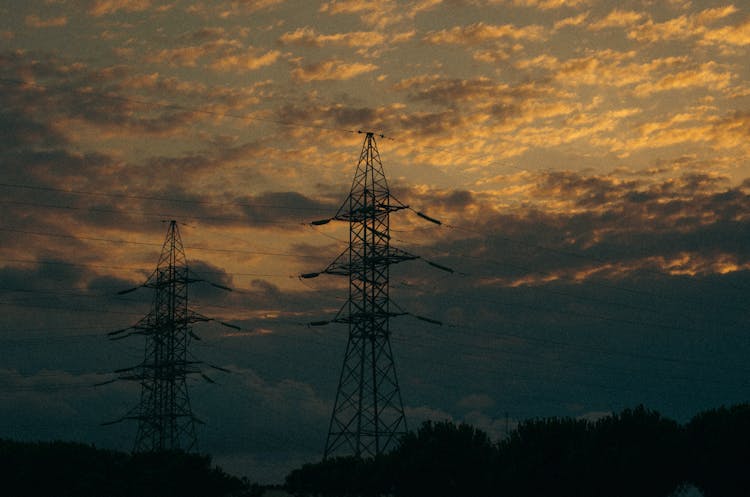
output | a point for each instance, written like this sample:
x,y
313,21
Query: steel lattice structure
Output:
x,y
165,419
368,414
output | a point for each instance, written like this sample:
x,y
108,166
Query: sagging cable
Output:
x,y
439,266
428,218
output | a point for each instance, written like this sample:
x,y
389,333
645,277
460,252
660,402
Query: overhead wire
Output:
x,y
159,199
154,244
132,212
135,268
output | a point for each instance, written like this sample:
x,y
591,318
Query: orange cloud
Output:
x,y
333,69
307,36
35,21
221,55
246,61
706,76
181,56
381,14
477,33
686,26
738,35
347,6
605,67
542,4
105,7
617,19
578,20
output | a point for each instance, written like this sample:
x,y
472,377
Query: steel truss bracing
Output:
x,y
368,414
165,419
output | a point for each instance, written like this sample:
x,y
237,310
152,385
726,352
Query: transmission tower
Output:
x,y
368,414
165,419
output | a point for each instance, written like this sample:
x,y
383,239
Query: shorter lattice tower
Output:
x,y
165,419
368,414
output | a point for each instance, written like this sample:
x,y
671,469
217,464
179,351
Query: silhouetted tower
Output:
x,y
165,419
368,413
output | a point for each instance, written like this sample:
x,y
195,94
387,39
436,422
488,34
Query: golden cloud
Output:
x,y
104,7
35,21
706,76
333,69
381,14
231,8
578,20
246,61
617,19
221,55
738,35
684,27
348,6
542,4
477,33
604,67
307,36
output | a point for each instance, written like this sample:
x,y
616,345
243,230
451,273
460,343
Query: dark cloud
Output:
x,y
20,131
283,207
45,88
211,275
205,34
340,115
454,91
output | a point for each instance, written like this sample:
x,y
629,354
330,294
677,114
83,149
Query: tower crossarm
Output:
x,y
364,213
341,266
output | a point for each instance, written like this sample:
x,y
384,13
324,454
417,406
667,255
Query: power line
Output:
x,y
138,268
508,304
157,198
520,267
574,255
131,212
153,244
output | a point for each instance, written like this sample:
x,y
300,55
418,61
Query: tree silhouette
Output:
x,y
543,457
636,453
66,469
443,459
339,477
719,442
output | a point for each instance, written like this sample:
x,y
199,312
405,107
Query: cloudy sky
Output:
x,y
589,160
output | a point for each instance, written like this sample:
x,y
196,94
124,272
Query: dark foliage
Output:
x,y
341,477
719,443
63,469
636,453
442,460
542,457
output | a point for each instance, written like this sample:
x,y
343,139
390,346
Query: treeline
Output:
x,y
636,453
65,469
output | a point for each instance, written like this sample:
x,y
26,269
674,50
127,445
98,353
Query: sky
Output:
x,y
588,159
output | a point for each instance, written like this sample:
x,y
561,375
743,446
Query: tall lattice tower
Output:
x,y
165,419
368,413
